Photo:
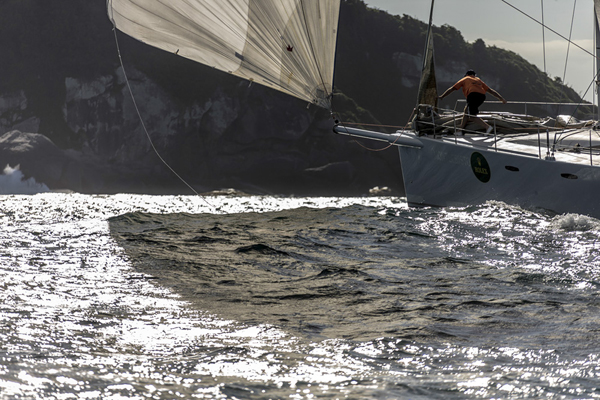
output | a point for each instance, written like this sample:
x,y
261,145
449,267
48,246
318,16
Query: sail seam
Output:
x,y
312,49
190,31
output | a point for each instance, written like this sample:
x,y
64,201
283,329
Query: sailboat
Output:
x,y
289,45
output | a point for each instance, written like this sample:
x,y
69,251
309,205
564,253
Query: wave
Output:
x,y
12,181
575,222
358,271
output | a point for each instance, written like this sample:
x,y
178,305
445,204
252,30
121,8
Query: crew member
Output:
x,y
474,90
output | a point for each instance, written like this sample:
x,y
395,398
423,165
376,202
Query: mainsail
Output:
x,y
288,45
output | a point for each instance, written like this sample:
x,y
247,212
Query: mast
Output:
x,y
597,41
428,85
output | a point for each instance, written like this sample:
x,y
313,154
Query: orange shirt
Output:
x,y
470,84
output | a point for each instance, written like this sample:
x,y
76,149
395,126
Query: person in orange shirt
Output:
x,y
474,90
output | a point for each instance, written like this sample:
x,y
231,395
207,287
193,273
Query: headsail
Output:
x,y
288,45
428,86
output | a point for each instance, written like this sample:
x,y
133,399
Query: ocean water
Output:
x,y
164,297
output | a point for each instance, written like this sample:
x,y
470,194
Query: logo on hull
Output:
x,y
481,168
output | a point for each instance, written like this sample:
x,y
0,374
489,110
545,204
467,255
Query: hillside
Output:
x,y
379,62
61,78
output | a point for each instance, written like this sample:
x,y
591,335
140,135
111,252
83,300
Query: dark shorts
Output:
x,y
474,100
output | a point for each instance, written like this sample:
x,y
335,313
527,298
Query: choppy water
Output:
x,y
267,298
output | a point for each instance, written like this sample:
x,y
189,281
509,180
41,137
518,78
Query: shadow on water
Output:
x,y
355,273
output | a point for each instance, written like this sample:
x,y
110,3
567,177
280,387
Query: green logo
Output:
x,y
481,168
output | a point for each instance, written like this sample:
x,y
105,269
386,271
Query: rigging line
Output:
x,y
594,80
389,126
550,29
569,44
368,148
371,149
567,57
595,66
544,36
142,121
375,125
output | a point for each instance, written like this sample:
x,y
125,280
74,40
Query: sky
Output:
x,y
501,25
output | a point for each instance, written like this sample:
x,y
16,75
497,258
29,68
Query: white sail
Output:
x,y
288,45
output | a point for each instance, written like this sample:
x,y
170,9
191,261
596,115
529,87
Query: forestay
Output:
x,y
288,45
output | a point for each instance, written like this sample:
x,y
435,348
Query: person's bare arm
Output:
x,y
497,95
447,92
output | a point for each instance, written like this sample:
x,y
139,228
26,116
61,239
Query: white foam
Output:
x,y
575,222
12,181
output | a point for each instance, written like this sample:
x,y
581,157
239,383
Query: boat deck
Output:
x,y
575,142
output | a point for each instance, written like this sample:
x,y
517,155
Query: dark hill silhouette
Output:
x,y
61,77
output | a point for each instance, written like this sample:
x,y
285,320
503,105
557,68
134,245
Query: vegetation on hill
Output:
x,y
43,42
371,44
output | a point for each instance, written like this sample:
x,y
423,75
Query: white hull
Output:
x,y
441,173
